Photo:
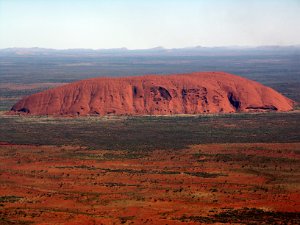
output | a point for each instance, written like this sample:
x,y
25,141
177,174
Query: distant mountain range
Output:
x,y
189,51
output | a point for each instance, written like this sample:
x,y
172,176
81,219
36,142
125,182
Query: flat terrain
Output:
x,y
200,169
149,132
208,169
210,183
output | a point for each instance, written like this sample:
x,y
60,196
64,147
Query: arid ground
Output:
x,y
201,169
151,170
209,183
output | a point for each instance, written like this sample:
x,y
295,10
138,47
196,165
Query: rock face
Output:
x,y
194,93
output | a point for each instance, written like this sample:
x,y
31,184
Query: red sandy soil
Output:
x,y
73,185
203,92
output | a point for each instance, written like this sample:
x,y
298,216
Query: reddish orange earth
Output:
x,y
202,92
204,184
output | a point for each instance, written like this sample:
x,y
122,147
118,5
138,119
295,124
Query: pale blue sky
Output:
x,y
137,24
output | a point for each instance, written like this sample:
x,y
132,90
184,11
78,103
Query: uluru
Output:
x,y
193,93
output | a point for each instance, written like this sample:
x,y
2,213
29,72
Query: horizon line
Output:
x,y
154,48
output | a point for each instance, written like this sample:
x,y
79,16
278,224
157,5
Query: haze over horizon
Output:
x,y
136,24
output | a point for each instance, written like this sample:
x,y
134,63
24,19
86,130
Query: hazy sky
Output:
x,y
139,24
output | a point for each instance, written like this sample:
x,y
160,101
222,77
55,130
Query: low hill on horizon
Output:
x,y
188,51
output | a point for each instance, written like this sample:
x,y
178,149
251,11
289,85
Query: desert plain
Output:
x,y
213,168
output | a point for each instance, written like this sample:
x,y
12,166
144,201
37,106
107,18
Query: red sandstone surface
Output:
x,y
194,93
